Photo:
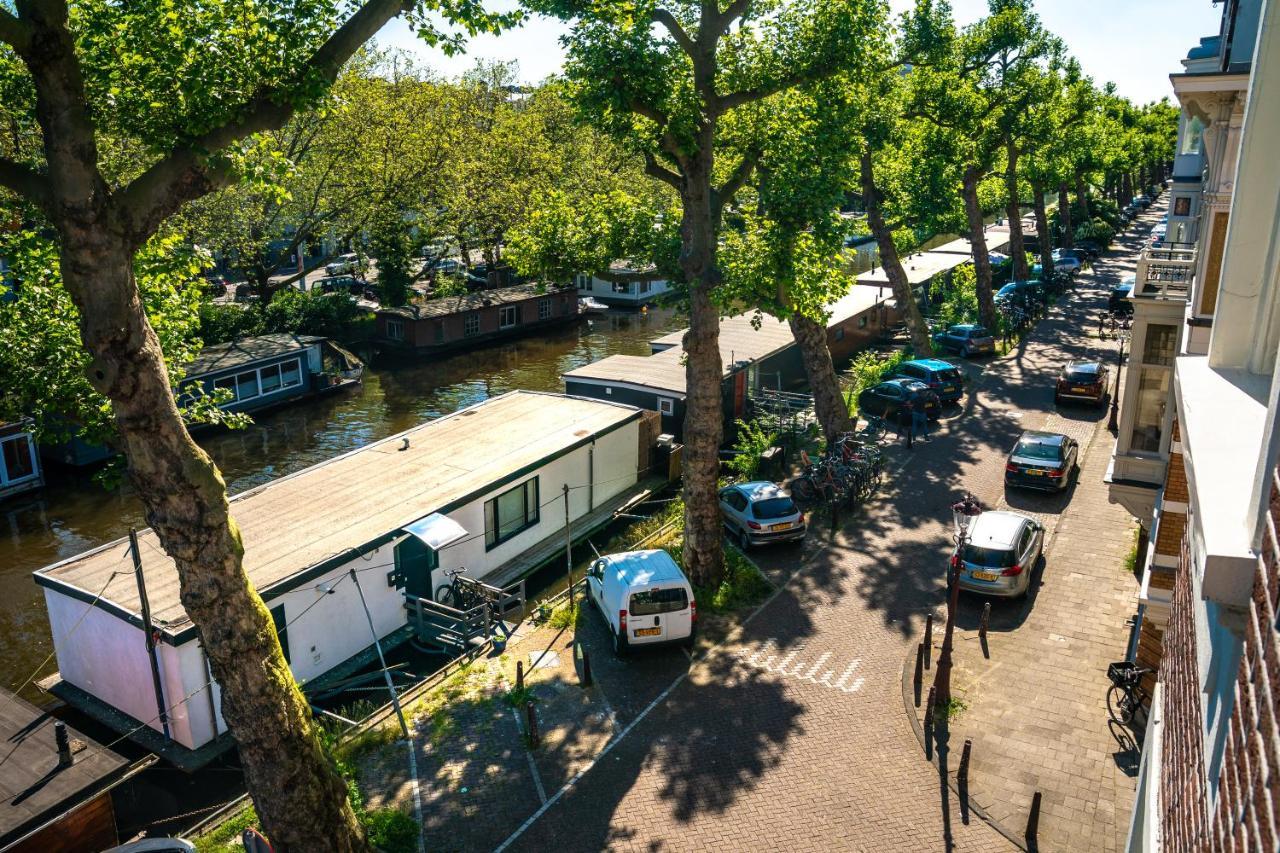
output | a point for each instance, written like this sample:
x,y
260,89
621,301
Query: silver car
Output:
x,y
760,512
1000,554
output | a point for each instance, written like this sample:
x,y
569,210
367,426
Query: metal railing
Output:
x,y
1166,271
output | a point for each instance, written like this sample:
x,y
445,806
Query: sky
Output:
x,y
1134,43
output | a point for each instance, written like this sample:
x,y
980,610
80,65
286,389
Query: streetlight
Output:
x,y
1123,331
963,512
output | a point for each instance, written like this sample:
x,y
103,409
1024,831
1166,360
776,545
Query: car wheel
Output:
x,y
964,351
744,541
619,646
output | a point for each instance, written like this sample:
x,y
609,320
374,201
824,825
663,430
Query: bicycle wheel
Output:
x,y
1119,705
803,488
445,595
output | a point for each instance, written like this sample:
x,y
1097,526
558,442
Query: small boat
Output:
x,y
588,305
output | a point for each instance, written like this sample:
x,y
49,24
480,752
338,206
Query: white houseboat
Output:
x,y
481,489
623,286
19,462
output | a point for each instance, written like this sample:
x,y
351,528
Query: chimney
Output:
x,y
64,743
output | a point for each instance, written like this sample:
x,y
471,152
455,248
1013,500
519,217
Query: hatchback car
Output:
x,y
344,264
1019,290
942,377
1089,248
966,339
339,284
886,399
1000,554
1082,380
1068,260
1041,460
1122,294
758,513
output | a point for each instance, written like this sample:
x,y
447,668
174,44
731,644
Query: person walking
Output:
x,y
906,422
919,421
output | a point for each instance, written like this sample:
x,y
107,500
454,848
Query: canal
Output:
x,y
72,513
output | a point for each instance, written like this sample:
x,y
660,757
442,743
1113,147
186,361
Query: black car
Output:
x,y
1082,380
1090,248
339,284
1041,460
1121,296
886,398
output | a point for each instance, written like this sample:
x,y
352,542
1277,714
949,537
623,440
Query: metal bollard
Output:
x,y
1033,820
928,640
962,775
986,620
586,669
929,708
918,679
519,675
531,717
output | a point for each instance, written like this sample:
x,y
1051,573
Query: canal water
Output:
x,y
72,514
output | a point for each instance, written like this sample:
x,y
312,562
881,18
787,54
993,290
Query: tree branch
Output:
x,y
14,33
26,182
668,20
735,10
186,172
654,169
738,178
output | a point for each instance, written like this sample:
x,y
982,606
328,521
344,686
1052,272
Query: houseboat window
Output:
x,y
395,330
508,316
622,287
266,380
270,379
291,373
16,462
247,385
544,309
644,287
510,513
666,405
471,324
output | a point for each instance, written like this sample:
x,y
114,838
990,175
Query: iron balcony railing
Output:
x,y
1165,271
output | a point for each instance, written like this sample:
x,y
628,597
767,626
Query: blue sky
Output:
x,y
1134,43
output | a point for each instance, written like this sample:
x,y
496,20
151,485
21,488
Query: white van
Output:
x,y
644,598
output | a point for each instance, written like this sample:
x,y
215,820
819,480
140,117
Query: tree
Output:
x,y
680,82
184,92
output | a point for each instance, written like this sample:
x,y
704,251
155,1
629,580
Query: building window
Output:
x,y
1158,347
839,335
544,309
666,405
508,316
395,330
1149,409
1192,135
471,325
17,459
263,381
510,513
644,287
1182,205
622,287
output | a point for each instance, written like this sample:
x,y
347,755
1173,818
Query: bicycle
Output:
x,y
1126,696
456,594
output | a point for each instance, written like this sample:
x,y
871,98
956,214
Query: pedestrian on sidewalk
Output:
x,y
919,421
906,423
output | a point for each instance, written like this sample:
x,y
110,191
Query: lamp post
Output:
x,y
963,512
1122,333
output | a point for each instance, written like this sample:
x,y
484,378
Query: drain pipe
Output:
x,y
150,633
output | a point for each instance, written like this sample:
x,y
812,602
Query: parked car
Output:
x,y
942,377
1019,290
1122,293
1041,460
1090,248
966,339
244,292
760,512
1082,380
1068,260
998,259
1000,554
886,398
1141,201
644,598
339,284
348,263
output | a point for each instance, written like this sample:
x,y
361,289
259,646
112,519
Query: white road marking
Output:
x,y
766,658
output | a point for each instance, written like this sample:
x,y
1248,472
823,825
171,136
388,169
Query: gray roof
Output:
x,y
219,357
34,790
445,305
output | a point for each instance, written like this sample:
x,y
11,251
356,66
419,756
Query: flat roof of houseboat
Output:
x,y
445,306
308,523
246,351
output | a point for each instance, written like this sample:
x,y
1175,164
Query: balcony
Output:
x,y
1165,271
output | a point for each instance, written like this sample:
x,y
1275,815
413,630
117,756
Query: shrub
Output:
x,y
291,311
959,297
1095,229
753,440
867,369
391,830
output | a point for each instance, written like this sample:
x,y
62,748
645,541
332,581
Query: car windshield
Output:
x,y
1033,449
773,508
1086,376
996,558
948,375
979,332
650,602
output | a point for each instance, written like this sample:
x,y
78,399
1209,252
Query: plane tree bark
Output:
x,y
978,239
917,328
1013,210
828,402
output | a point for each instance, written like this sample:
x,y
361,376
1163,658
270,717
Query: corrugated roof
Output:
x,y
301,520
446,305
247,350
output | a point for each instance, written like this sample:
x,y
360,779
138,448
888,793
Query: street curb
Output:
x,y
908,702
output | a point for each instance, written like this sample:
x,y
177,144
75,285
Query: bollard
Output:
x,y
519,675
586,669
962,775
986,619
532,719
1033,820
929,708
928,640
918,679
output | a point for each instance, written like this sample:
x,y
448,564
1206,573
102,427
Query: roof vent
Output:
x,y
404,443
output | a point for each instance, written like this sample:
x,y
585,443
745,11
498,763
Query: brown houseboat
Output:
x,y
438,325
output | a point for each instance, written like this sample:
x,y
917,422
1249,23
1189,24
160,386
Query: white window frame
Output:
x,y
505,311
545,307
667,405
5,479
470,324
256,373
395,330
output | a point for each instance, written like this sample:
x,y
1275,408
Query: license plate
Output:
x,y
647,632
984,576
948,388
1033,472
786,525
1078,390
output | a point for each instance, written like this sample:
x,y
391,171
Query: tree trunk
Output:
x,y
300,799
978,238
1064,217
916,326
828,402
1082,197
1042,228
1127,182
1014,211
703,554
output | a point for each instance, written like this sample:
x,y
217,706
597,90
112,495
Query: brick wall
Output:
x,y
1169,533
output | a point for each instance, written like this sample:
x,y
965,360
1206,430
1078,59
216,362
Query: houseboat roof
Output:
x,y
35,791
922,266
446,305
300,526
219,357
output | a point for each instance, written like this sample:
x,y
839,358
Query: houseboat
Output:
x,y
624,286
19,462
430,326
59,784
756,351
482,490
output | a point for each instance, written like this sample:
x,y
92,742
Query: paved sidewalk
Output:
x,y
1037,713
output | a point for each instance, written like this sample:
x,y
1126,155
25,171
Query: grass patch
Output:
x,y
743,586
226,836
564,617
391,830
1131,556
951,710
